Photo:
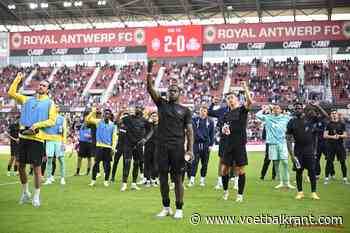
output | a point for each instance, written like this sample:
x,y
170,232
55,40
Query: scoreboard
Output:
x,y
174,41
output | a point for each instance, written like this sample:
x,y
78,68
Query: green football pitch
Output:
x,y
78,208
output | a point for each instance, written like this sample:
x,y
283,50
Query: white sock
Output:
x,y
37,192
345,178
202,179
220,180
25,188
192,179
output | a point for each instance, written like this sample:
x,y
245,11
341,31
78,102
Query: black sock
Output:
x,y
343,168
15,168
225,182
78,170
241,184
166,202
179,205
299,179
88,171
8,168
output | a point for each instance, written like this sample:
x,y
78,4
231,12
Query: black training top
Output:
x,y
305,133
334,128
14,130
135,128
237,120
173,119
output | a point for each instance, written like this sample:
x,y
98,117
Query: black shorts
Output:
x,y
336,150
307,162
85,150
93,150
171,158
235,156
31,152
103,154
14,149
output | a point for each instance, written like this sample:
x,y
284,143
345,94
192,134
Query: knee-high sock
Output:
x,y
225,182
62,166
179,191
49,167
241,184
164,188
299,179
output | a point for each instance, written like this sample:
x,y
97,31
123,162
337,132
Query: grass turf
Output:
x,y
78,208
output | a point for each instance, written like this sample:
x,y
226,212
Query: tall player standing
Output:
x,y
235,131
175,121
37,113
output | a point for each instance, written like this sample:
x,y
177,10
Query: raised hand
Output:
x,y
150,66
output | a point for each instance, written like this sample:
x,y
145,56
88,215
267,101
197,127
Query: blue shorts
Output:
x,y
278,151
54,148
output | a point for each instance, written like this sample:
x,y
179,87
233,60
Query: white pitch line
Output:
x,y
9,183
17,182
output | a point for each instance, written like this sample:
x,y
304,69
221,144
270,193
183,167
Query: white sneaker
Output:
x,y
8,174
143,181
236,183
166,211
98,175
279,186
124,187
190,184
239,198
48,181
290,186
93,183
25,198
226,194
345,181
154,183
36,201
326,181
202,182
134,187
218,186
63,182
172,186
52,179
106,183
178,214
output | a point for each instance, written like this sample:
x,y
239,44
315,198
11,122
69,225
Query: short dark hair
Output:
x,y
175,85
230,93
107,110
